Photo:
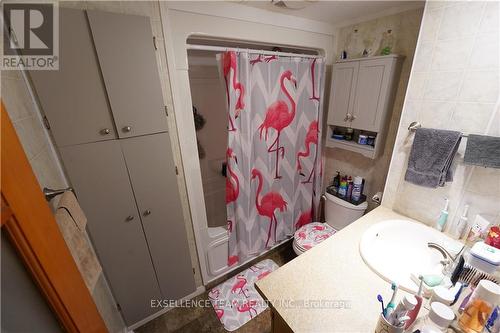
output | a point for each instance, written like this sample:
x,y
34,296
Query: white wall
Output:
x,y
454,84
224,21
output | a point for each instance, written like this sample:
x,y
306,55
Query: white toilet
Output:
x,y
338,215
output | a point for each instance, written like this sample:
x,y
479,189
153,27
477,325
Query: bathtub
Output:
x,y
213,244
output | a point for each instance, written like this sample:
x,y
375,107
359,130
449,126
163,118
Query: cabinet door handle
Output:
x,y
129,218
146,212
353,117
105,131
347,117
127,129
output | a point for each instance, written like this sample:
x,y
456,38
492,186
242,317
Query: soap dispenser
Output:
x,y
443,217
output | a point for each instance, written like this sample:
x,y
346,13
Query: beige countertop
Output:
x,y
334,273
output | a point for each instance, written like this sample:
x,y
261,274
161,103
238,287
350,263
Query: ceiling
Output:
x,y
333,12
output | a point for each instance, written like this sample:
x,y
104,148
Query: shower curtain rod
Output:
x,y
222,49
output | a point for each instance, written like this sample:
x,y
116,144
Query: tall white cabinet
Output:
x,y
107,116
361,97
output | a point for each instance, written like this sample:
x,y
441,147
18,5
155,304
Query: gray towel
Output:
x,y
483,150
431,157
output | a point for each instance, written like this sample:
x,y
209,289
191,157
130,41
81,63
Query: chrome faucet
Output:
x,y
443,251
449,260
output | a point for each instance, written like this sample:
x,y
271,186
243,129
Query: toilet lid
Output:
x,y
311,235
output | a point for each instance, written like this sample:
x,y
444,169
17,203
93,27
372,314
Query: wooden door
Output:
x,y
74,97
124,45
99,175
371,91
34,233
342,92
152,173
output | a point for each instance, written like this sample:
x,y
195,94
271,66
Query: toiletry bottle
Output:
x,y
349,134
357,188
350,185
343,188
438,320
462,222
478,228
443,217
336,183
480,306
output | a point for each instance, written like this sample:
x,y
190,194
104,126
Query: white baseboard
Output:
x,y
200,290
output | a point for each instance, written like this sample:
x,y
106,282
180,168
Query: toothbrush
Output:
x,y
390,307
381,300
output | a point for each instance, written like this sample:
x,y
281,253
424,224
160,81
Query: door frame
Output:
x,y
30,225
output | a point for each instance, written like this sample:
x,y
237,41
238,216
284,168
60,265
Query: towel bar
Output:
x,y
414,125
50,193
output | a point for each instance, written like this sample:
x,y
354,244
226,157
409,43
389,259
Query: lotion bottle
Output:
x,y
462,223
441,222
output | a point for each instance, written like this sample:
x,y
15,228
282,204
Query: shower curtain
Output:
x,y
274,164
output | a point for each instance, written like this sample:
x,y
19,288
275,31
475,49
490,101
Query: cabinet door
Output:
x,y
99,175
371,90
124,45
342,92
152,173
74,98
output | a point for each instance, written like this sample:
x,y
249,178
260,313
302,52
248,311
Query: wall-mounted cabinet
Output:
x,y
361,98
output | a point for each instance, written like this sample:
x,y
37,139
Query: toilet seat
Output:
x,y
310,235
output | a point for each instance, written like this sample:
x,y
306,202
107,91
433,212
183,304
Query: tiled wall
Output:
x,y
354,39
454,84
29,127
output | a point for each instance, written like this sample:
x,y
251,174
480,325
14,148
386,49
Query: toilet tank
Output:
x,y
340,213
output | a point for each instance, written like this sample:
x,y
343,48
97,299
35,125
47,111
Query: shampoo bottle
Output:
x,y
443,217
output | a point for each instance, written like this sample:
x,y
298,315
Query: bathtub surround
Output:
x,y
367,35
454,85
209,97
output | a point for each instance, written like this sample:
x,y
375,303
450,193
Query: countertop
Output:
x,y
332,272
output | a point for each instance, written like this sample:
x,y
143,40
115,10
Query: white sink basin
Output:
x,y
395,249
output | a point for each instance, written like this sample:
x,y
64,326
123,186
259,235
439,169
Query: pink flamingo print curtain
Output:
x,y
274,164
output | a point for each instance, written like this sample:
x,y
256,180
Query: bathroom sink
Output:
x,y
396,249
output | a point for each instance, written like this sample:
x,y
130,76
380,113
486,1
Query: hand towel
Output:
x,y
483,151
80,248
70,204
431,157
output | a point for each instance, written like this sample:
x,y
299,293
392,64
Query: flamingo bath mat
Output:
x,y
236,301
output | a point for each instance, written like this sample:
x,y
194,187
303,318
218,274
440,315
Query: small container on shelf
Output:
x,y
370,140
349,134
363,139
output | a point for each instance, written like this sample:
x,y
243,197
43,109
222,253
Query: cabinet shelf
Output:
x,y
366,150
361,97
